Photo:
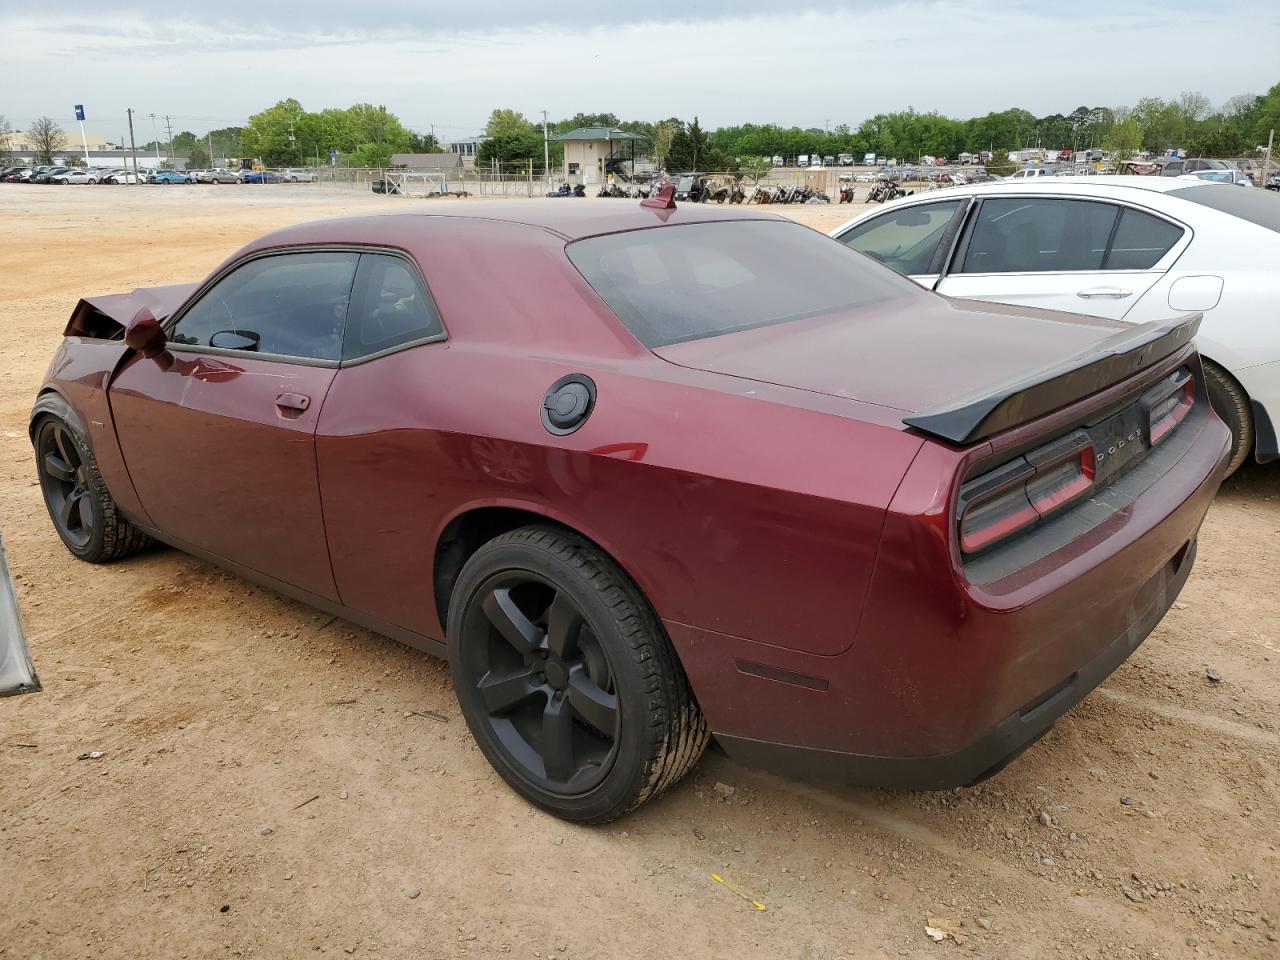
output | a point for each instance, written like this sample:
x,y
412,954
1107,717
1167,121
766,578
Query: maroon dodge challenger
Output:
x,y
648,476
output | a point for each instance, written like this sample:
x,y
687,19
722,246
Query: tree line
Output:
x,y
286,134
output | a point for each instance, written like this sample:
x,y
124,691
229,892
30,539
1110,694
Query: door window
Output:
x,y
390,308
1014,235
1140,241
291,305
905,239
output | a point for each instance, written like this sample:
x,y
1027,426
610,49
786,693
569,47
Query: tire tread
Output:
x,y
677,733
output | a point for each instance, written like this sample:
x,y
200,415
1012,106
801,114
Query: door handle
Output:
x,y
1104,293
296,402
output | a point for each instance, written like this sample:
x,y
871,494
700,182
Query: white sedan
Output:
x,y
80,176
1125,247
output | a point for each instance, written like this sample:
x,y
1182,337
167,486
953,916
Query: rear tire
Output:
x,y
1232,405
87,519
566,678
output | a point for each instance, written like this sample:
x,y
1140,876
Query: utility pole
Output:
x,y
1266,160
133,148
546,151
155,130
169,127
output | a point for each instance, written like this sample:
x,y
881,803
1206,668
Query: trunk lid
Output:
x,y
959,369
913,356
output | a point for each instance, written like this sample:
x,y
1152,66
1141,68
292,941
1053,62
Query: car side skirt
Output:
x,y
435,648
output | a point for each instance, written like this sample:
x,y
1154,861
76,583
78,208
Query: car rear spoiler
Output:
x,y
17,674
993,409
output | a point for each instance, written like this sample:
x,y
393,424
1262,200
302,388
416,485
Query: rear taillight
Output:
x,y
1021,493
1168,405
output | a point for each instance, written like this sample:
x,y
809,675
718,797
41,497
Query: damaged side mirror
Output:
x,y
145,335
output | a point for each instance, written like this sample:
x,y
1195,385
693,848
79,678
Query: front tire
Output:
x,y
1232,405
566,678
83,512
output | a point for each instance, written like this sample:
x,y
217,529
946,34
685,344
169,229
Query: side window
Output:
x,y
292,304
1140,241
390,307
1039,235
905,239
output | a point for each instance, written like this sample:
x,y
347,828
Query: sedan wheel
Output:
x,y
566,679
1232,405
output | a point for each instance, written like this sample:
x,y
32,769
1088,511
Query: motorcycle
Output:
x,y
846,193
885,190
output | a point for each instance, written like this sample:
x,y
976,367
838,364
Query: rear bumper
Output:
x,y
946,680
992,750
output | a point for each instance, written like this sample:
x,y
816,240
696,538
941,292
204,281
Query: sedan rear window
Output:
x,y
1260,207
692,281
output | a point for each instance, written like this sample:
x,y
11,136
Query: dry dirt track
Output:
x,y
221,709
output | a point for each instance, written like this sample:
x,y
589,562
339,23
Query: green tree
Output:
x,y
6,136
504,122
691,149
372,155
754,168
512,139
46,136
1125,137
197,157
1266,116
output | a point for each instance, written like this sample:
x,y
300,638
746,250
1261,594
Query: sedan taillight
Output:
x,y
1021,493
1168,405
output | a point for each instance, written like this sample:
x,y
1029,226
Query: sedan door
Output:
x,y
218,432
1080,256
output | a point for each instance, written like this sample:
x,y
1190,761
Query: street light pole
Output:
x,y
546,150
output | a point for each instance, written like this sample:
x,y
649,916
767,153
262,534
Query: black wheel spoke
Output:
x,y
501,692
58,468
563,623
65,448
517,629
70,507
593,704
84,507
557,740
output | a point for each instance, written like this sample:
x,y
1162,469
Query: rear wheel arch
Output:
x,y
470,529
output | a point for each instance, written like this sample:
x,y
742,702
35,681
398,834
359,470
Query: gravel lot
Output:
x,y
277,784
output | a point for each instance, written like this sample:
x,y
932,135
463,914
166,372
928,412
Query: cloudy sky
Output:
x,y
446,65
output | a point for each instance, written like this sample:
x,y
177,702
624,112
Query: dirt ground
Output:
x,y
273,784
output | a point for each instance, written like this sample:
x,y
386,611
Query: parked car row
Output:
x,y
72,175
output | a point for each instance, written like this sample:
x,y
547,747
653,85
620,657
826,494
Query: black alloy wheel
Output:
x,y
65,482
566,677
83,512
544,681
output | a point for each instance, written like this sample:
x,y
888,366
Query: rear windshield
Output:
x,y
1261,207
692,281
